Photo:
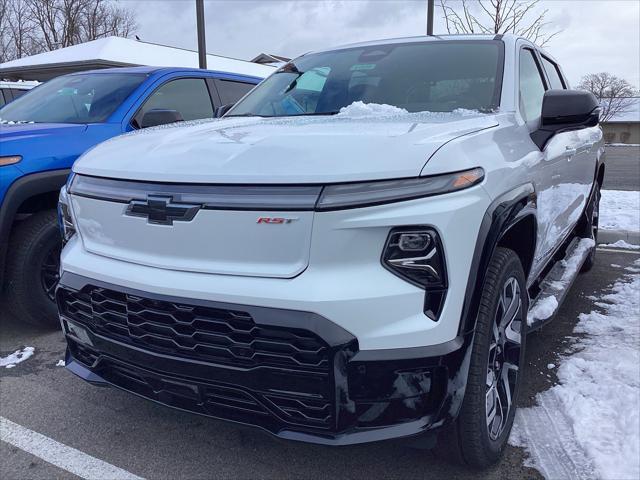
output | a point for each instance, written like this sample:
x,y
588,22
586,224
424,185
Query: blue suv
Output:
x,y
45,131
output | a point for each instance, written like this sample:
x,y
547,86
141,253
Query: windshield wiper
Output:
x,y
335,112
244,115
308,114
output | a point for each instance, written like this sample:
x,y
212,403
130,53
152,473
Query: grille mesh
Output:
x,y
202,333
218,336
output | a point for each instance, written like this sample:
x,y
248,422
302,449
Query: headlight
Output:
x,y
352,195
65,219
415,254
10,160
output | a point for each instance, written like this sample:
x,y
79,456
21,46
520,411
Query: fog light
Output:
x,y
412,242
415,254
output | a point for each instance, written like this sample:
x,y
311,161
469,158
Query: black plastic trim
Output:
x,y
438,350
370,388
19,191
503,213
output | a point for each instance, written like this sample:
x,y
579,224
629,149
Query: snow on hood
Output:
x,y
363,142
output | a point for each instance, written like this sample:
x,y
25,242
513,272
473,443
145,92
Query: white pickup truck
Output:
x,y
356,251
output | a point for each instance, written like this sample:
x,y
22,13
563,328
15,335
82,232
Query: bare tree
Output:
x,y
615,94
33,26
520,17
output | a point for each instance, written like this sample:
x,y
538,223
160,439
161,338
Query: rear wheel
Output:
x,y
591,228
479,434
33,262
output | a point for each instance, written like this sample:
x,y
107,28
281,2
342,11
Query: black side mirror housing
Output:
x,y
159,116
221,110
563,111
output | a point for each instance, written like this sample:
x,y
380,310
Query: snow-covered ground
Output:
x,y
588,426
621,244
620,210
16,357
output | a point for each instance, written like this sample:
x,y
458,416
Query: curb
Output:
x,y
612,236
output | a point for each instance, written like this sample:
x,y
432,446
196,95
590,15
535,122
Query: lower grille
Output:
x,y
283,377
190,331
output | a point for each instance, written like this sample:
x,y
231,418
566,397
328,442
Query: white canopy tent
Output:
x,y
119,52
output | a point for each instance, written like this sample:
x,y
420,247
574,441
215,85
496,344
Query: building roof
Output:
x,y
268,59
119,52
632,115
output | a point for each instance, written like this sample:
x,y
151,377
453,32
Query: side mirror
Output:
x,y
221,110
158,116
565,110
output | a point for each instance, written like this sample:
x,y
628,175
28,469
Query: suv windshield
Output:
x,y
85,98
436,76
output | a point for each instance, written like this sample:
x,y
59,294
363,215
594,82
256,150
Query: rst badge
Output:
x,y
277,220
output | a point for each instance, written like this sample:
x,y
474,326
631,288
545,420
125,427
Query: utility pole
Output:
x,y
202,44
430,17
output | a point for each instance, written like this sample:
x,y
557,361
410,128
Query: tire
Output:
x,y
590,229
32,268
472,439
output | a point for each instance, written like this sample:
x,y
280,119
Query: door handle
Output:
x,y
586,147
570,152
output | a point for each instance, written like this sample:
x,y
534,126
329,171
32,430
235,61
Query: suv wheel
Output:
x,y
33,261
480,433
591,229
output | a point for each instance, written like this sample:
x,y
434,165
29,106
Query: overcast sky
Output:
x,y
597,35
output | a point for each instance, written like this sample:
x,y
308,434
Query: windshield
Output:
x,y
86,98
436,76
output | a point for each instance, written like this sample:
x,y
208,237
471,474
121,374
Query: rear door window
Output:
x,y
2,100
16,92
187,96
552,72
231,91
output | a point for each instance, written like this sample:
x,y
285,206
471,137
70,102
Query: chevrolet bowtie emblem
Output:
x,y
162,210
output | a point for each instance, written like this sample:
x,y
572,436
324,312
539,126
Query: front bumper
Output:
x,y
256,365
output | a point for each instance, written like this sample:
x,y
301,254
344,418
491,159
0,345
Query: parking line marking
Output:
x,y
60,455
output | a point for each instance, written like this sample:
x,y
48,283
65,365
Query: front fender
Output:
x,y
503,213
20,190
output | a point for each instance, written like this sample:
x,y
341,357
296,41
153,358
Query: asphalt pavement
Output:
x,y
153,441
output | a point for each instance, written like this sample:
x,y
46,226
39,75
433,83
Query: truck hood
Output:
x,y
9,132
281,150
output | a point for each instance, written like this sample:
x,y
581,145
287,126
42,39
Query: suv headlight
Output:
x,y
364,194
416,255
65,218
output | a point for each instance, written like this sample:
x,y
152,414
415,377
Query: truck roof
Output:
x,y
507,38
152,69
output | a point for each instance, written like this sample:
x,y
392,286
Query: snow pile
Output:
x,y
574,262
542,309
61,363
546,306
16,357
621,244
588,426
360,109
620,210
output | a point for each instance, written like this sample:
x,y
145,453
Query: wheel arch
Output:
x,y
511,222
28,194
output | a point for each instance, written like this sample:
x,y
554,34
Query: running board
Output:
x,y
556,285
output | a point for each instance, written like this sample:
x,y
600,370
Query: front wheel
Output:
x,y
33,261
480,433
